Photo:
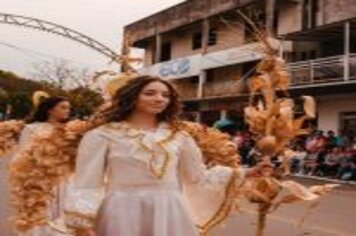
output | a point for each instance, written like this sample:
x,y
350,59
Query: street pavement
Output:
x,y
335,215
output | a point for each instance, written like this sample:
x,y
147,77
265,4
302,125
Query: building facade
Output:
x,y
204,47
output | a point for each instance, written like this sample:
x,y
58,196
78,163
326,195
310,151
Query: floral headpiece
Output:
x,y
119,81
38,97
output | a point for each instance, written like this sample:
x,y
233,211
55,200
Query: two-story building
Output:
x,y
204,47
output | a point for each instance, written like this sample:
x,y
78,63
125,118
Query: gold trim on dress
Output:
x,y
225,208
161,172
133,132
79,221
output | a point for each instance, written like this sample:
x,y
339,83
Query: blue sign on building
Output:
x,y
175,67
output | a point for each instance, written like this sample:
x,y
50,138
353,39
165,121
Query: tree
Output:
x,y
69,81
16,92
61,74
84,101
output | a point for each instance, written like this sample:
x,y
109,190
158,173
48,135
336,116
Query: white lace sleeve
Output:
x,y
87,191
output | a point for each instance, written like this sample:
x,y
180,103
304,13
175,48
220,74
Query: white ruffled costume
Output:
x,y
131,182
56,209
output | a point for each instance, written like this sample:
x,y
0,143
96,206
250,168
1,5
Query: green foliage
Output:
x,y
17,93
84,101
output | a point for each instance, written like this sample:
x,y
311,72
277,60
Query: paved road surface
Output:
x,y
334,216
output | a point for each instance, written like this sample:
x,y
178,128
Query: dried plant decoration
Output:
x,y
10,130
37,170
9,135
217,148
273,123
38,96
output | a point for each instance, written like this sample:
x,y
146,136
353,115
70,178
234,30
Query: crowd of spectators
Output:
x,y
319,154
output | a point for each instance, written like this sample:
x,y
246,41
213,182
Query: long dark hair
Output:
x,y
123,102
41,114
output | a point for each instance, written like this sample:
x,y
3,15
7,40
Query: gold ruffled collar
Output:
x,y
154,147
131,131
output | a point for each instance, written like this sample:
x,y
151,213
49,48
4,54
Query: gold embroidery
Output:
x,y
167,157
225,207
90,217
132,132
79,221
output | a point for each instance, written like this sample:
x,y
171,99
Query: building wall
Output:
x,y
181,40
186,88
227,37
329,11
223,82
329,110
149,54
180,15
182,43
306,47
337,10
289,18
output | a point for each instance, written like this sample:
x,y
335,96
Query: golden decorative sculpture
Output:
x,y
272,120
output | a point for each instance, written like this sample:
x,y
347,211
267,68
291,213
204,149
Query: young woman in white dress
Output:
x,y
140,175
49,113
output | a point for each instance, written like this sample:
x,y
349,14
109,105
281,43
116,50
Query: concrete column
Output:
x,y
223,114
125,51
158,47
312,72
347,50
205,35
270,7
281,48
202,79
198,118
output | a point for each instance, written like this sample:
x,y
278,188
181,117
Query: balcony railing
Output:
x,y
323,70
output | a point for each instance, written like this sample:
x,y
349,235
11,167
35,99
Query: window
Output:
x,y
194,80
312,54
210,76
209,117
213,37
197,40
248,68
347,123
290,56
166,52
304,56
191,106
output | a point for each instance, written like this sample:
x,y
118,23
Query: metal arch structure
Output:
x,y
53,28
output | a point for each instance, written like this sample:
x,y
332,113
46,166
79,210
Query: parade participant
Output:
x,y
49,112
141,171
135,172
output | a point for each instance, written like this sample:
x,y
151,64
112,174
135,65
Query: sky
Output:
x,y
103,20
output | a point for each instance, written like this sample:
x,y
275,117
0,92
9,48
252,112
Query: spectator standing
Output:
x,y
332,162
331,140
